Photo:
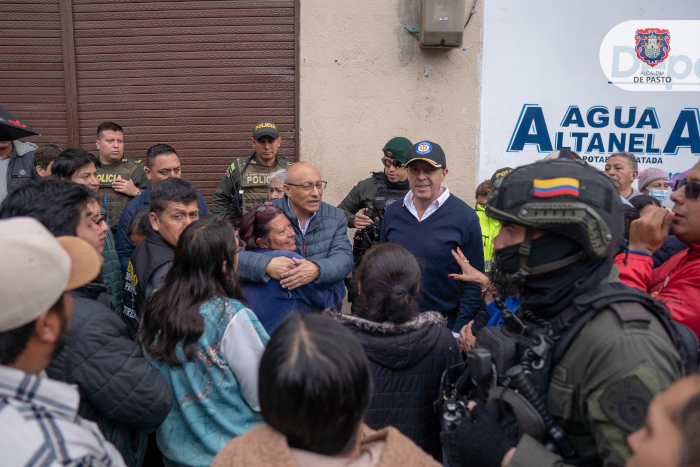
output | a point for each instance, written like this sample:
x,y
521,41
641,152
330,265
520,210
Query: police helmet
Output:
x,y
563,196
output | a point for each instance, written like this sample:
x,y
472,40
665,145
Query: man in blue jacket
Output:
x,y
320,236
162,163
429,223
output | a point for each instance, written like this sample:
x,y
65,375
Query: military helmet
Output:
x,y
567,197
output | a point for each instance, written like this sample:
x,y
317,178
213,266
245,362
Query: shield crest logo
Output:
x,y
652,45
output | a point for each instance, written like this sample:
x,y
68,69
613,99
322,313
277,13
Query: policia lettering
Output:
x,y
246,190
112,201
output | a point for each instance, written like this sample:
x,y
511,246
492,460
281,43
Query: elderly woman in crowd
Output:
x,y
651,182
276,182
206,344
265,229
408,350
314,387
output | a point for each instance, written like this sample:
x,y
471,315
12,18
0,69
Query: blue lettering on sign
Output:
x,y
530,129
573,117
648,118
596,143
602,121
688,119
630,117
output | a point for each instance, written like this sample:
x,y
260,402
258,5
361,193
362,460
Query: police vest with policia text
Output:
x,y
254,184
112,201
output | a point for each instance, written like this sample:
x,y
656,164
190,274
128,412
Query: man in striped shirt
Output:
x,y
39,422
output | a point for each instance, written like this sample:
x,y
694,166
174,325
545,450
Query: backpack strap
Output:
x,y
629,304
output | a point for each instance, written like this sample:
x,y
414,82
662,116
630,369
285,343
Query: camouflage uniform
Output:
x,y
254,184
114,202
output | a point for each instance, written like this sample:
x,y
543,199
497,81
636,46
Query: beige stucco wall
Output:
x,y
364,80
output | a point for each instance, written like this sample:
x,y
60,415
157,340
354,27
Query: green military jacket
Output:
x,y
255,185
365,190
112,201
600,389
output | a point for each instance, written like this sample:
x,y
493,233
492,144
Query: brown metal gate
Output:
x,y
194,74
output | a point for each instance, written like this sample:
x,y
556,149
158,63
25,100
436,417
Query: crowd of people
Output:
x,y
553,323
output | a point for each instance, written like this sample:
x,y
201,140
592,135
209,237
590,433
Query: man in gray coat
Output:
x,y
321,236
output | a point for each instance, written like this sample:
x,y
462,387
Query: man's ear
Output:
x,y
252,142
148,172
280,141
47,327
97,144
154,221
287,190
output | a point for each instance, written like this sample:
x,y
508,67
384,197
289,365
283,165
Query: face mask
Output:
x,y
509,258
659,195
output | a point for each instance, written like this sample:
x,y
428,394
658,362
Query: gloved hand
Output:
x,y
480,441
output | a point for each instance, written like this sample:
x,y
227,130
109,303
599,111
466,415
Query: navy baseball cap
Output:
x,y
429,152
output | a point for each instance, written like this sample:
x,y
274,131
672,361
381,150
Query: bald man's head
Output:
x,y
304,188
301,170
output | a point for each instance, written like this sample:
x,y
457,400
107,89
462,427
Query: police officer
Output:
x,y
121,178
580,360
252,187
390,184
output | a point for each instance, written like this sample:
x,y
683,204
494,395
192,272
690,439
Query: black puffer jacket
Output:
x,y
407,362
119,389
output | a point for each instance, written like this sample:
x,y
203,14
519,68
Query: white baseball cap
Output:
x,y
36,268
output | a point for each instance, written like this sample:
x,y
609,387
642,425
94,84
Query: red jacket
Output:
x,y
676,283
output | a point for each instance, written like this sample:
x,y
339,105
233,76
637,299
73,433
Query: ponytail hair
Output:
x,y
389,279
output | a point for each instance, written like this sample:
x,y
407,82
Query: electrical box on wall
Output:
x,y
441,23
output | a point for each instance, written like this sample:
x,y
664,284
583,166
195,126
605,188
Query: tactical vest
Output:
x,y
149,255
255,184
112,201
390,195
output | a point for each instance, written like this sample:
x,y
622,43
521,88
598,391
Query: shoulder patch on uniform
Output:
x,y
138,161
231,168
625,403
631,311
126,159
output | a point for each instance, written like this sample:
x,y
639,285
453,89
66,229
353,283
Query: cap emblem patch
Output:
x,y
424,148
555,187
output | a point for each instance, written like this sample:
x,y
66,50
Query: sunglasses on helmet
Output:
x,y
392,163
692,189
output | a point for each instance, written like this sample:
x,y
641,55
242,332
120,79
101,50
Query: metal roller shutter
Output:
x,y
194,74
32,77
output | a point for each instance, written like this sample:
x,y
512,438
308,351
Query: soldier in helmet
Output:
x,y
579,361
121,178
246,183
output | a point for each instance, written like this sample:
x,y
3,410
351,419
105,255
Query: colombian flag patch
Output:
x,y
555,187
